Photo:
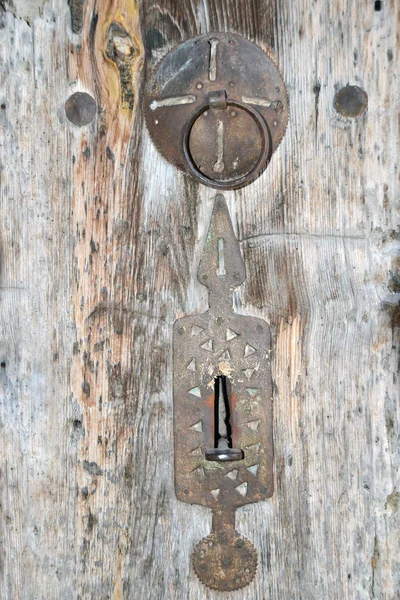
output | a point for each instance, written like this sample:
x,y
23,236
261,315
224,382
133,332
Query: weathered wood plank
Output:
x,y
100,240
37,419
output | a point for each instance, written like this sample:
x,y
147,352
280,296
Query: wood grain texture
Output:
x,y
99,246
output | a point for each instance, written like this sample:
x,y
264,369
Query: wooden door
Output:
x,y
99,244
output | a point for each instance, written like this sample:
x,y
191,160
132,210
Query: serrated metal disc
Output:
x,y
225,561
178,94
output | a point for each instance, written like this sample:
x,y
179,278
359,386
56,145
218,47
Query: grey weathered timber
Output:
x,y
100,240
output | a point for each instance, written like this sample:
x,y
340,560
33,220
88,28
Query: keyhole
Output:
x,y
222,415
222,450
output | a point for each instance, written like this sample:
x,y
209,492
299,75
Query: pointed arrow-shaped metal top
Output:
x,y
221,267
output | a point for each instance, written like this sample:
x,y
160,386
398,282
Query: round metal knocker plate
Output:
x,y
216,107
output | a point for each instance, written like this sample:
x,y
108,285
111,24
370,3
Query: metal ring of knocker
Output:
x,y
266,145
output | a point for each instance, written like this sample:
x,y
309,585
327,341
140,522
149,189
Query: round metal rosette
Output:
x,y
224,144
225,561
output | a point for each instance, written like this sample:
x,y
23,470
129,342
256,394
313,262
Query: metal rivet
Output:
x,y
351,101
80,108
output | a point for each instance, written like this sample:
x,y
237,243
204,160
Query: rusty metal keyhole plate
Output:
x,y
222,410
216,107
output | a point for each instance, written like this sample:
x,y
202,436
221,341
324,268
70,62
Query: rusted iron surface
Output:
x,y
80,108
236,468
351,101
216,107
225,560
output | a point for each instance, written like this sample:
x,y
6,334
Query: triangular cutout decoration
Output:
x,y
215,493
195,392
248,373
242,489
225,355
199,472
196,451
252,392
254,447
232,474
231,335
192,365
253,469
196,330
248,350
197,426
254,425
208,345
